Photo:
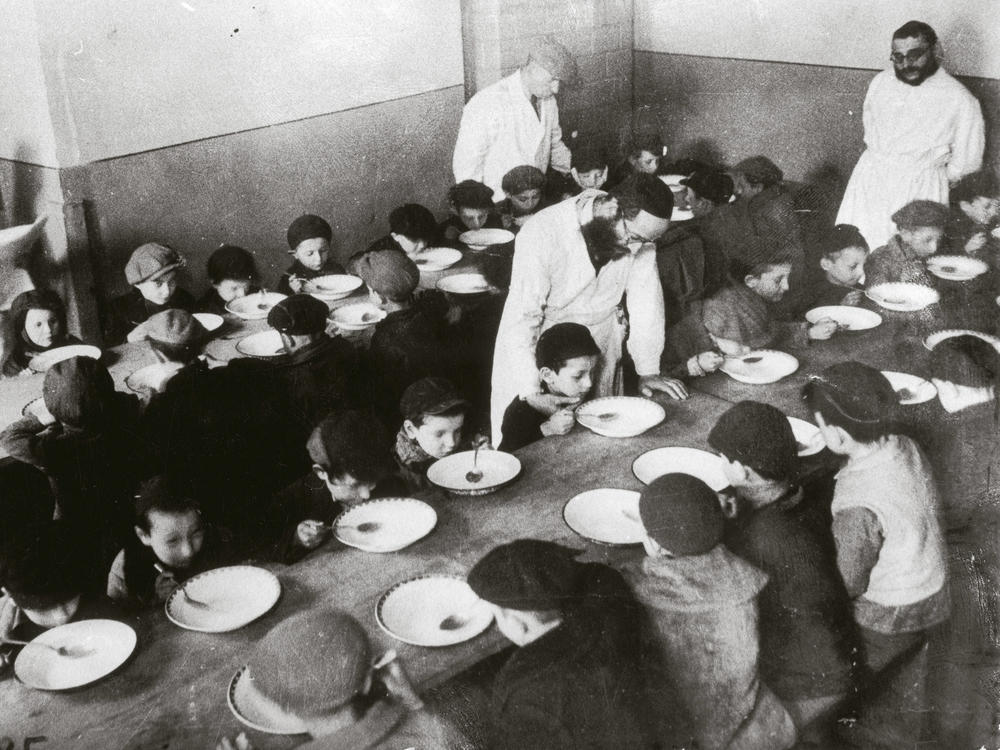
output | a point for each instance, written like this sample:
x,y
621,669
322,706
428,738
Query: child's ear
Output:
x,y
144,536
320,472
750,281
547,374
825,263
409,429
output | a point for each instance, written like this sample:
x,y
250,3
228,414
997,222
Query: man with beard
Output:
x,y
574,263
923,130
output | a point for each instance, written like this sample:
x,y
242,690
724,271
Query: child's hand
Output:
x,y
239,743
710,361
996,233
397,682
164,586
296,283
453,315
137,334
730,508
976,242
559,423
852,298
310,534
823,329
549,403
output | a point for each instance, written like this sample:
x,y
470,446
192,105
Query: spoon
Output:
x,y
196,603
475,475
261,304
631,515
365,528
454,622
75,653
606,417
905,394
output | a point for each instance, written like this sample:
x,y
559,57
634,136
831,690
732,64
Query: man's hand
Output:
x,y
549,403
823,329
397,682
559,423
710,361
671,386
310,534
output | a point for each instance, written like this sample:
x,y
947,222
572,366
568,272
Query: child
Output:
x,y
172,543
783,529
842,262
352,462
411,229
309,239
433,417
472,207
574,680
975,210
232,274
920,233
175,337
523,187
642,156
38,322
566,356
590,167
703,602
152,270
890,550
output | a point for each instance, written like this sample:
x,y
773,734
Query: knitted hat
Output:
x,y
429,396
644,192
78,391
758,436
562,342
859,392
414,221
230,262
975,185
388,272
528,575
682,514
555,58
312,663
921,214
966,360
150,261
760,170
711,185
471,194
308,227
174,327
299,315
522,178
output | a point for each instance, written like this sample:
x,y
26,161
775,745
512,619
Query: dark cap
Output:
x,y
431,396
711,185
414,221
524,177
299,315
78,391
975,185
174,327
562,342
555,58
307,227
230,262
758,436
921,214
857,391
389,272
760,170
471,194
966,360
644,192
840,237
151,261
528,575
682,514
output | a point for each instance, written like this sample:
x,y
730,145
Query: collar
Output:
x,y
409,451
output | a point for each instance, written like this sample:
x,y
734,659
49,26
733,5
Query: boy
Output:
x,y
920,233
38,323
472,208
572,681
642,156
352,462
972,223
890,549
411,229
566,356
783,529
433,418
842,263
309,239
523,187
172,543
232,274
590,167
175,336
152,270
703,602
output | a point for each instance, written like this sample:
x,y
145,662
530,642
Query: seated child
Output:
x,y
590,167
172,543
352,461
703,602
309,239
973,220
575,679
642,156
26,499
523,187
558,187
232,274
472,207
342,696
566,356
783,528
38,323
842,266
890,549
152,270
411,229
175,338
920,233
433,417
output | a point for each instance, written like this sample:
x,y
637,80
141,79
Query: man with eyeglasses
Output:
x,y
923,132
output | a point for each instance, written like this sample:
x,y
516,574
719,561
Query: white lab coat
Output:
x,y
919,138
553,281
500,130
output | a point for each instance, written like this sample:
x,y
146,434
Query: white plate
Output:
x,y
698,463
630,416
209,321
401,521
902,296
38,410
332,286
681,214
956,267
412,611
261,344
236,595
920,390
673,181
358,316
847,318
498,469
938,336
464,283
606,516
480,239
106,645
152,377
246,704
808,438
42,362
770,368
437,258
254,306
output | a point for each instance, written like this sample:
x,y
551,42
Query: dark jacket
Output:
x,y
382,243
820,292
689,269
126,312
452,227
330,268
522,425
24,349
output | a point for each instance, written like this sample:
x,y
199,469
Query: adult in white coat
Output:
x,y
923,130
574,262
515,121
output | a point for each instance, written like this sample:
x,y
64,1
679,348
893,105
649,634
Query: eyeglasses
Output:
x,y
909,57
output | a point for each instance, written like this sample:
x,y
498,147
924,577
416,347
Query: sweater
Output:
x,y
522,425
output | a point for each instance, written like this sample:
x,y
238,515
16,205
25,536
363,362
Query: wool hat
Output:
x,y
431,396
966,360
859,392
975,185
389,272
555,58
471,194
174,327
524,177
150,261
307,227
564,341
299,315
230,262
414,221
758,436
78,391
682,514
711,185
921,214
312,663
644,192
528,575
760,170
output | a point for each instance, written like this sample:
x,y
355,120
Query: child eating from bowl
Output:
x,y
472,208
412,228
842,266
523,187
433,418
309,239
38,322
919,234
232,274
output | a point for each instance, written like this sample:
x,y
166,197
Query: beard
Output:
x,y
603,243
924,73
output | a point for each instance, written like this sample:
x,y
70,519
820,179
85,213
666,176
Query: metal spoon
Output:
x,y
475,475
905,394
61,650
365,528
261,304
197,603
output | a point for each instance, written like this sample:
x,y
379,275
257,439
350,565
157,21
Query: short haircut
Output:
x,y
841,237
561,343
470,194
161,495
351,443
856,398
587,158
649,142
740,268
914,29
230,262
45,565
644,192
414,221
